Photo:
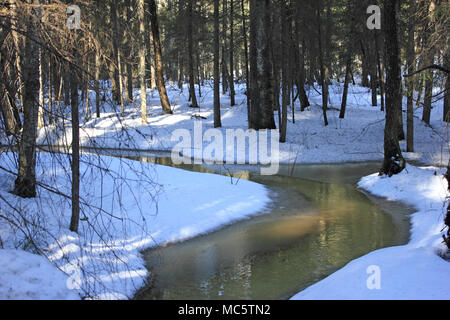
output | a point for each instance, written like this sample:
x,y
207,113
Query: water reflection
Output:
x,y
313,229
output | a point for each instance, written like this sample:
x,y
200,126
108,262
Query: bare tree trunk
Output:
x,y
180,45
247,71
410,56
142,68
41,91
74,221
446,115
393,160
232,91
224,48
349,42
348,71
323,67
25,184
217,119
192,95
260,66
380,68
426,116
87,80
8,107
97,81
50,91
299,56
150,67
118,77
158,58
284,71
128,52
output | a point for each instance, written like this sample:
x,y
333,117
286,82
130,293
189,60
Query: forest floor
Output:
x,y
107,252
358,137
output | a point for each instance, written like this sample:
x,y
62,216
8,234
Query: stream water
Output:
x,y
317,222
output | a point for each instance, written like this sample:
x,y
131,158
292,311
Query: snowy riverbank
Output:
x,y
106,251
153,206
413,271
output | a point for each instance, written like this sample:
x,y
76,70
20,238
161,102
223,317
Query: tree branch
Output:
x,y
432,66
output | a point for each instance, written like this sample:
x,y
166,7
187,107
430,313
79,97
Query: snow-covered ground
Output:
x,y
190,204
358,137
413,271
155,205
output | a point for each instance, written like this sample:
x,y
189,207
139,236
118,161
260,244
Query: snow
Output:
x,y
32,277
410,272
357,138
156,205
159,205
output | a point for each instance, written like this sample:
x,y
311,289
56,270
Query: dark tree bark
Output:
x,y
260,66
348,71
380,69
74,221
284,71
247,71
323,66
116,67
9,111
299,56
224,48
393,160
232,91
25,184
446,115
410,56
158,58
348,58
217,119
194,103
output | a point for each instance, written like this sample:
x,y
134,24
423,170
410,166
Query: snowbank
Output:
x,y
413,271
155,205
28,276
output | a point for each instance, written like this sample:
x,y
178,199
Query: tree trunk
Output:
x,y
74,221
348,71
426,116
323,67
247,71
217,119
410,57
380,68
232,91
284,71
447,98
158,58
142,52
192,95
25,184
8,107
393,160
260,66
224,48
50,91
97,82
41,90
114,67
